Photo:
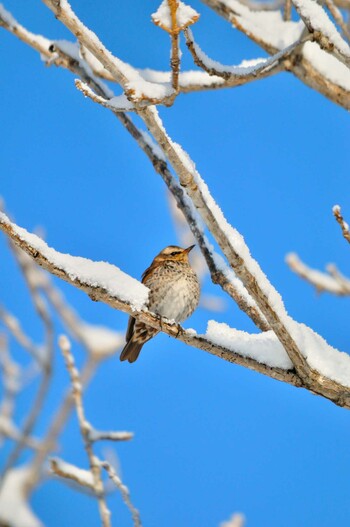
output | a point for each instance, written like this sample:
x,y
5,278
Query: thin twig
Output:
x,y
343,224
124,492
338,17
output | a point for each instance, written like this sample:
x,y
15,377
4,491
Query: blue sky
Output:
x,y
210,438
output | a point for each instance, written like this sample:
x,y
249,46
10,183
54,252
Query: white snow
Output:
x,y
73,472
14,507
101,341
320,355
95,274
318,19
327,65
186,78
185,15
263,347
266,348
268,26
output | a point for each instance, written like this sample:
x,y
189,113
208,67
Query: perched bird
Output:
x,y
174,294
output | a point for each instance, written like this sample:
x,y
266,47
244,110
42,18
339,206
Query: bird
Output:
x,y
174,294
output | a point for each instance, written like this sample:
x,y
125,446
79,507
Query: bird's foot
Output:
x,y
179,331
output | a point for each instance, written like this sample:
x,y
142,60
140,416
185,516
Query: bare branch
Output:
x,y
14,327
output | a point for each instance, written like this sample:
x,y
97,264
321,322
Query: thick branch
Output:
x,y
318,383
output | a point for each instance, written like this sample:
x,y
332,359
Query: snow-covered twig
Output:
x,y
343,224
109,435
84,430
256,70
68,471
116,104
331,283
124,492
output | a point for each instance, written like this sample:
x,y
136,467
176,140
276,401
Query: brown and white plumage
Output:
x,y
174,294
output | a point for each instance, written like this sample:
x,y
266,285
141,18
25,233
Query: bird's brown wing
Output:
x,y
146,273
130,329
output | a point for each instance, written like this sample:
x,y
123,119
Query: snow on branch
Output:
x,y
333,282
343,224
71,472
174,16
91,275
117,104
249,70
323,29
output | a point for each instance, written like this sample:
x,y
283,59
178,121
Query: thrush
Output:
x,y
174,294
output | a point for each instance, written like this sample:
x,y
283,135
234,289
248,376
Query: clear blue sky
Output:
x,y
210,438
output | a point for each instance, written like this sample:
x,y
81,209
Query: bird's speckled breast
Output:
x,y
174,291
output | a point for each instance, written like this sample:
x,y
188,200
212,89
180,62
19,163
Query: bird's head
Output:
x,y
173,253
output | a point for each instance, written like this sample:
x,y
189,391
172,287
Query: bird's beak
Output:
x,y
189,249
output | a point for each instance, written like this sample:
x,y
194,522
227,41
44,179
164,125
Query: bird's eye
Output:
x,y
174,253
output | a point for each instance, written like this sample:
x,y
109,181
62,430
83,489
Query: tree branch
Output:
x,y
330,283
343,224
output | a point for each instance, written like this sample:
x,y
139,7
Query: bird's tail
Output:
x,y
131,350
